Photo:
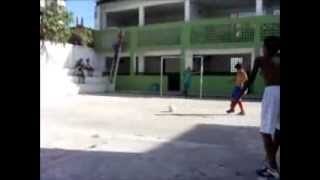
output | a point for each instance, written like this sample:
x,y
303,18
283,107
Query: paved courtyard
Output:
x,y
136,138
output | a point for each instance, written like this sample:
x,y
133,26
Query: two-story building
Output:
x,y
170,35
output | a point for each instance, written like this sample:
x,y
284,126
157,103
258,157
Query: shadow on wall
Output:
x,y
206,152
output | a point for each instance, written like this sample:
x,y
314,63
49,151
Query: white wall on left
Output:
x,y
56,62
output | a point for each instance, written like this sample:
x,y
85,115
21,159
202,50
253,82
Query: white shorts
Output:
x,y
270,112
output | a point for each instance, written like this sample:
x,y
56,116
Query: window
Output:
x,y
137,65
196,65
124,65
234,61
172,12
123,18
152,65
171,66
221,64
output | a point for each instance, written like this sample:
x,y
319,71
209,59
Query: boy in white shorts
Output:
x,y
269,66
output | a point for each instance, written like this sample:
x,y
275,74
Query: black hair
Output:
x,y
238,66
272,45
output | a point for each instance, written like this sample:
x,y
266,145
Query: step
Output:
x,y
91,80
70,72
92,88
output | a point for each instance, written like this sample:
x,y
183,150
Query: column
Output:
x,y
189,60
259,7
141,16
103,20
187,10
141,64
97,17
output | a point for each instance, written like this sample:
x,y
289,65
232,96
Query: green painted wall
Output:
x,y
139,83
212,85
221,86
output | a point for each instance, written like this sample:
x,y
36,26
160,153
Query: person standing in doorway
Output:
x,y
187,80
269,66
240,79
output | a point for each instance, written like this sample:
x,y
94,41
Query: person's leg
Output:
x,y
276,142
232,106
270,150
185,90
241,107
267,129
83,77
185,93
234,100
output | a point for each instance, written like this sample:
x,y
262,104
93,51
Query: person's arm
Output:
x,y
245,77
253,74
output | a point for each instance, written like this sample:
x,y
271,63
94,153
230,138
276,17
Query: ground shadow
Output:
x,y
206,152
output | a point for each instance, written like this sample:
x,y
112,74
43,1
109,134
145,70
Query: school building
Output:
x,y
170,35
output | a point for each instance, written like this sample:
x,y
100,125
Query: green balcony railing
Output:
x,y
222,33
268,29
250,30
104,40
159,36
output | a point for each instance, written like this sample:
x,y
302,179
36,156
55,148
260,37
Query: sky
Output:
x,y
82,8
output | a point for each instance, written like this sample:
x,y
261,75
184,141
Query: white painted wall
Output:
x,y
129,5
141,16
187,12
56,62
59,2
66,55
42,3
97,17
259,7
141,64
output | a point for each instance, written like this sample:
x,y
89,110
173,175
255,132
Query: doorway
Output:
x,y
171,69
173,82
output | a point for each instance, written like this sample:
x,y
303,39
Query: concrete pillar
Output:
x,y
141,64
189,60
97,18
259,7
187,10
103,21
141,16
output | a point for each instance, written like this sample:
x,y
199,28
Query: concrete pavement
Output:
x,y
135,138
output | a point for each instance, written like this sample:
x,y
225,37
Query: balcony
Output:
x,y
213,33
